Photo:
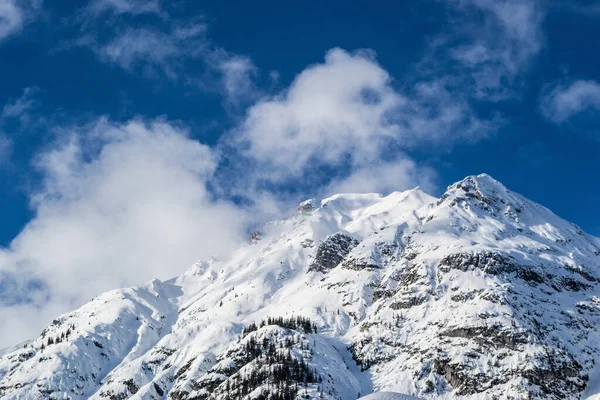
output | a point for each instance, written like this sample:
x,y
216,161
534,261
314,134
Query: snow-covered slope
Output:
x,y
479,294
388,396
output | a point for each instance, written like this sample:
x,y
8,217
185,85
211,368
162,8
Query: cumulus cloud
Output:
x,y
331,110
120,204
346,114
564,101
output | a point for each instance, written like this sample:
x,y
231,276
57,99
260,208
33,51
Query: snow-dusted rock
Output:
x,y
388,396
307,206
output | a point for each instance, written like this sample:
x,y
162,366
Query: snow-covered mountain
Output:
x,y
480,294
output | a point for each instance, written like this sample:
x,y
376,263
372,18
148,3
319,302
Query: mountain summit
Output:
x,y
479,294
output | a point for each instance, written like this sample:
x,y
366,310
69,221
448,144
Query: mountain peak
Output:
x,y
482,183
481,187
480,294
307,206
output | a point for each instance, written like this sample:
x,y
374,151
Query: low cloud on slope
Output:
x,y
119,204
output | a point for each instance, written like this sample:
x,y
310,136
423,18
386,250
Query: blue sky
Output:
x,y
129,128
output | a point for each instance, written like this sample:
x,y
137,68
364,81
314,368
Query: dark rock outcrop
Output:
x,y
332,251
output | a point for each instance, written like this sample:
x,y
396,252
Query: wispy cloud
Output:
x,y
18,110
14,14
21,107
134,7
11,18
490,46
6,145
238,74
591,9
563,101
384,177
178,49
150,50
170,52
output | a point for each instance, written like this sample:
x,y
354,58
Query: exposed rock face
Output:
x,y
254,237
486,261
307,206
479,294
499,313
332,251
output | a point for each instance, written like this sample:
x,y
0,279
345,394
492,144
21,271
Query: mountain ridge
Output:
x,y
481,293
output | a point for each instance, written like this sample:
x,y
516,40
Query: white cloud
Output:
x,y
150,49
14,14
400,174
11,18
345,113
135,7
564,101
177,48
238,73
438,115
174,51
590,10
21,107
19,110
120,204
138,36
331,110
6,146
497,41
